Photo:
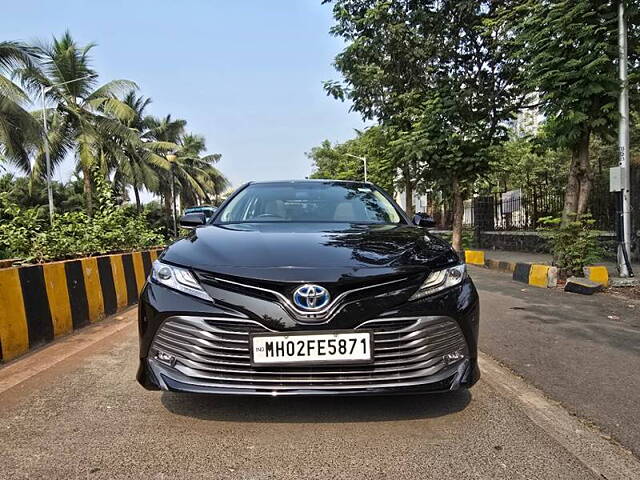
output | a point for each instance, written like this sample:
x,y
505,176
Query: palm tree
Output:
x,y
138,164
166,130
189,175
19,131
84,117
209,179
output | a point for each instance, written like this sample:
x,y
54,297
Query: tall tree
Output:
x,y
137,164
189,174
83,115
336,162
170,130
19,130
570,52
434,71
210,181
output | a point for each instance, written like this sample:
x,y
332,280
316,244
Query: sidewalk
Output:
x,y
545,259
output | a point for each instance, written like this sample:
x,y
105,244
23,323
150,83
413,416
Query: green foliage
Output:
x,y
86,118
569,50
27,235
569,56
19,131
574,244
27,192
104,126
17,228
335,161
436,74
153,215
193,176
526,163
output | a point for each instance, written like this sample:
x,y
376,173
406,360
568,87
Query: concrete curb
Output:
x,y
42,302
543,276
597,274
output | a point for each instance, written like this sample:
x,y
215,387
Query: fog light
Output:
x,y
166,358
453,357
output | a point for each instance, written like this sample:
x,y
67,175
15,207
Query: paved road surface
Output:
x,y
85,417
582,350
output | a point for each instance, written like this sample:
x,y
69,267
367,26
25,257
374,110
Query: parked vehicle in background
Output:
x,y
313,288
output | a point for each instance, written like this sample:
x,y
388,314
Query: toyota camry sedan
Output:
x,y
313,287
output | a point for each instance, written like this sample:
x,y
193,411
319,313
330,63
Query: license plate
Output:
x,y
319,348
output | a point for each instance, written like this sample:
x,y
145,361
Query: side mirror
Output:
x,y
192,220
424,220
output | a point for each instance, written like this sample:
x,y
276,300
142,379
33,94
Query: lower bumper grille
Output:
x,y
213,353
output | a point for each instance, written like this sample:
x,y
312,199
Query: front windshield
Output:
x,y
309,202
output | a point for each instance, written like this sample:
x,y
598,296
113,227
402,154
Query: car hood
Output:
x,y
309,252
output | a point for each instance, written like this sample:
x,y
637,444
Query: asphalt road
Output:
x,y
583,351
74,410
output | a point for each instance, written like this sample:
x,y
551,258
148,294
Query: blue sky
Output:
x,y
245,73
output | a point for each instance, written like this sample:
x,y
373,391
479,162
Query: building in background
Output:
x,y
528,120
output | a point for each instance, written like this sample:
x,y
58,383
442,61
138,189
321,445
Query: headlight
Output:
x,y
441,280
179,279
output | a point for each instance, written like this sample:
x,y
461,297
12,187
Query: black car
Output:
x,y
310,287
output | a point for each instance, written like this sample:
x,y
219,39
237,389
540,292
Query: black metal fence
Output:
x,y
517,210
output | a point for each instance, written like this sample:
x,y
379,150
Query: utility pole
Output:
x,y
45,137
623,142
45,140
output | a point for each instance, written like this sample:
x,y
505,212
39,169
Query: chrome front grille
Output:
x,y
214,353
282,295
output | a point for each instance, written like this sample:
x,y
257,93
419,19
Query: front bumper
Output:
x,y
424,346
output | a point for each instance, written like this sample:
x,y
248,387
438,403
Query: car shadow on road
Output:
x,y
315,409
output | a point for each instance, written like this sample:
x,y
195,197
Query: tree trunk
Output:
x,y
88,189
586,176
458,213
408,196
576,196
167,212
137,195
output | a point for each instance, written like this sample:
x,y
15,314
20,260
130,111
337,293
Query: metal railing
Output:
x,y
517,210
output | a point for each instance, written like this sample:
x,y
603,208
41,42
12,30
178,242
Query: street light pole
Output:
x,y
623,143
173,195
364,160
45,140
46,153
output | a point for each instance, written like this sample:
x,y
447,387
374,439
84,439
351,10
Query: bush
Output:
x,y
26,234
574,245
18,227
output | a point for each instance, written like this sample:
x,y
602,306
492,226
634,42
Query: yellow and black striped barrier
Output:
x,y
544,276
41,302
